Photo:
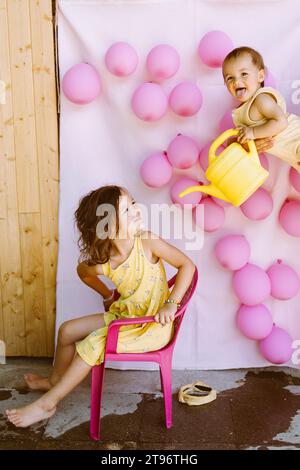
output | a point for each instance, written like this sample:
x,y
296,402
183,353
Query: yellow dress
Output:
x,y
143,287
286,143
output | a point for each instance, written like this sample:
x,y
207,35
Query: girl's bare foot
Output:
x,y
36,411
37,382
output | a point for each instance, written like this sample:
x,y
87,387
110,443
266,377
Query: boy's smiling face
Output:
x,y
241,77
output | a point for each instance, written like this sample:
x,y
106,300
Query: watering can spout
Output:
x,y
210,189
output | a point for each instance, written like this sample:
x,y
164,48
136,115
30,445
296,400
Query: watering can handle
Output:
x,y
222,138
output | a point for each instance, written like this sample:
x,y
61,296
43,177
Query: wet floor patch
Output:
x,y
253,410
5,394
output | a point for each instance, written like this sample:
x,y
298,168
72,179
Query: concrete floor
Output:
x,y
255,409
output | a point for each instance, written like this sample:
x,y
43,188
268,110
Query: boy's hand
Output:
x,y
166,314
245,134
233,139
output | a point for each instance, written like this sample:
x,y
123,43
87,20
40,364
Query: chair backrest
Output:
x,y
184,303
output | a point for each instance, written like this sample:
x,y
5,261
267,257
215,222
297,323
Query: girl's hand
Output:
x,y
262,145
108,301
245,133
166,314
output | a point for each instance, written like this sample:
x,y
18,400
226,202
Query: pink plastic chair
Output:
x,y
162,356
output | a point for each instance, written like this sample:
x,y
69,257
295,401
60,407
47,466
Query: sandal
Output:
x,y
197,393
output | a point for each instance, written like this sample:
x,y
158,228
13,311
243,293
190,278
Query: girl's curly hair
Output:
x,y
95,249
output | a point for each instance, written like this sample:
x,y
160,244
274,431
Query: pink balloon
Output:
x,y
203,156
254,322
156,170
121,59
214,47
285,283
295,179
185,99
251,284
182,152
277,347
149,102
264,161
162,62
233,251
226,121
258,206
214,215
289,217
269,79
181,185
81,84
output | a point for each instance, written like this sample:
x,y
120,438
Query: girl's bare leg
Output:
x,y
69,332
45,406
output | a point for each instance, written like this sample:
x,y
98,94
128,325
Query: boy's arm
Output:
x,y
276,120
88,275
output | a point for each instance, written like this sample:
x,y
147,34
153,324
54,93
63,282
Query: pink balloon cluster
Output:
x,y
157,169
81,83
252,285
150,103
163,62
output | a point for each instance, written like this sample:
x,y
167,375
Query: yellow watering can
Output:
x,y
235,174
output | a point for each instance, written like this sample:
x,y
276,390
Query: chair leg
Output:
x,y
166,383
96,397
161,381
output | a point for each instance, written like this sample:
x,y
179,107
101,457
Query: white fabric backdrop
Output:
x,y
104,143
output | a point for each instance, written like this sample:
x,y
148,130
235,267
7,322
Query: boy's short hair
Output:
x,y
257,59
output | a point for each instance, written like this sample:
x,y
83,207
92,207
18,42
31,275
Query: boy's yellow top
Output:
x,y
286,143
143,288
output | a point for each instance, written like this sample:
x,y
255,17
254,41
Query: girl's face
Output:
x,y
242,78
130,218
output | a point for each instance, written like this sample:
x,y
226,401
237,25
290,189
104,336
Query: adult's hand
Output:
x,y
262,145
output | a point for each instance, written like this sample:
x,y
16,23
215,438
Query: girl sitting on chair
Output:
x,y
114,245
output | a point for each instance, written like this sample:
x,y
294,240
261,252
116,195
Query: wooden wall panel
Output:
x,y
28,178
